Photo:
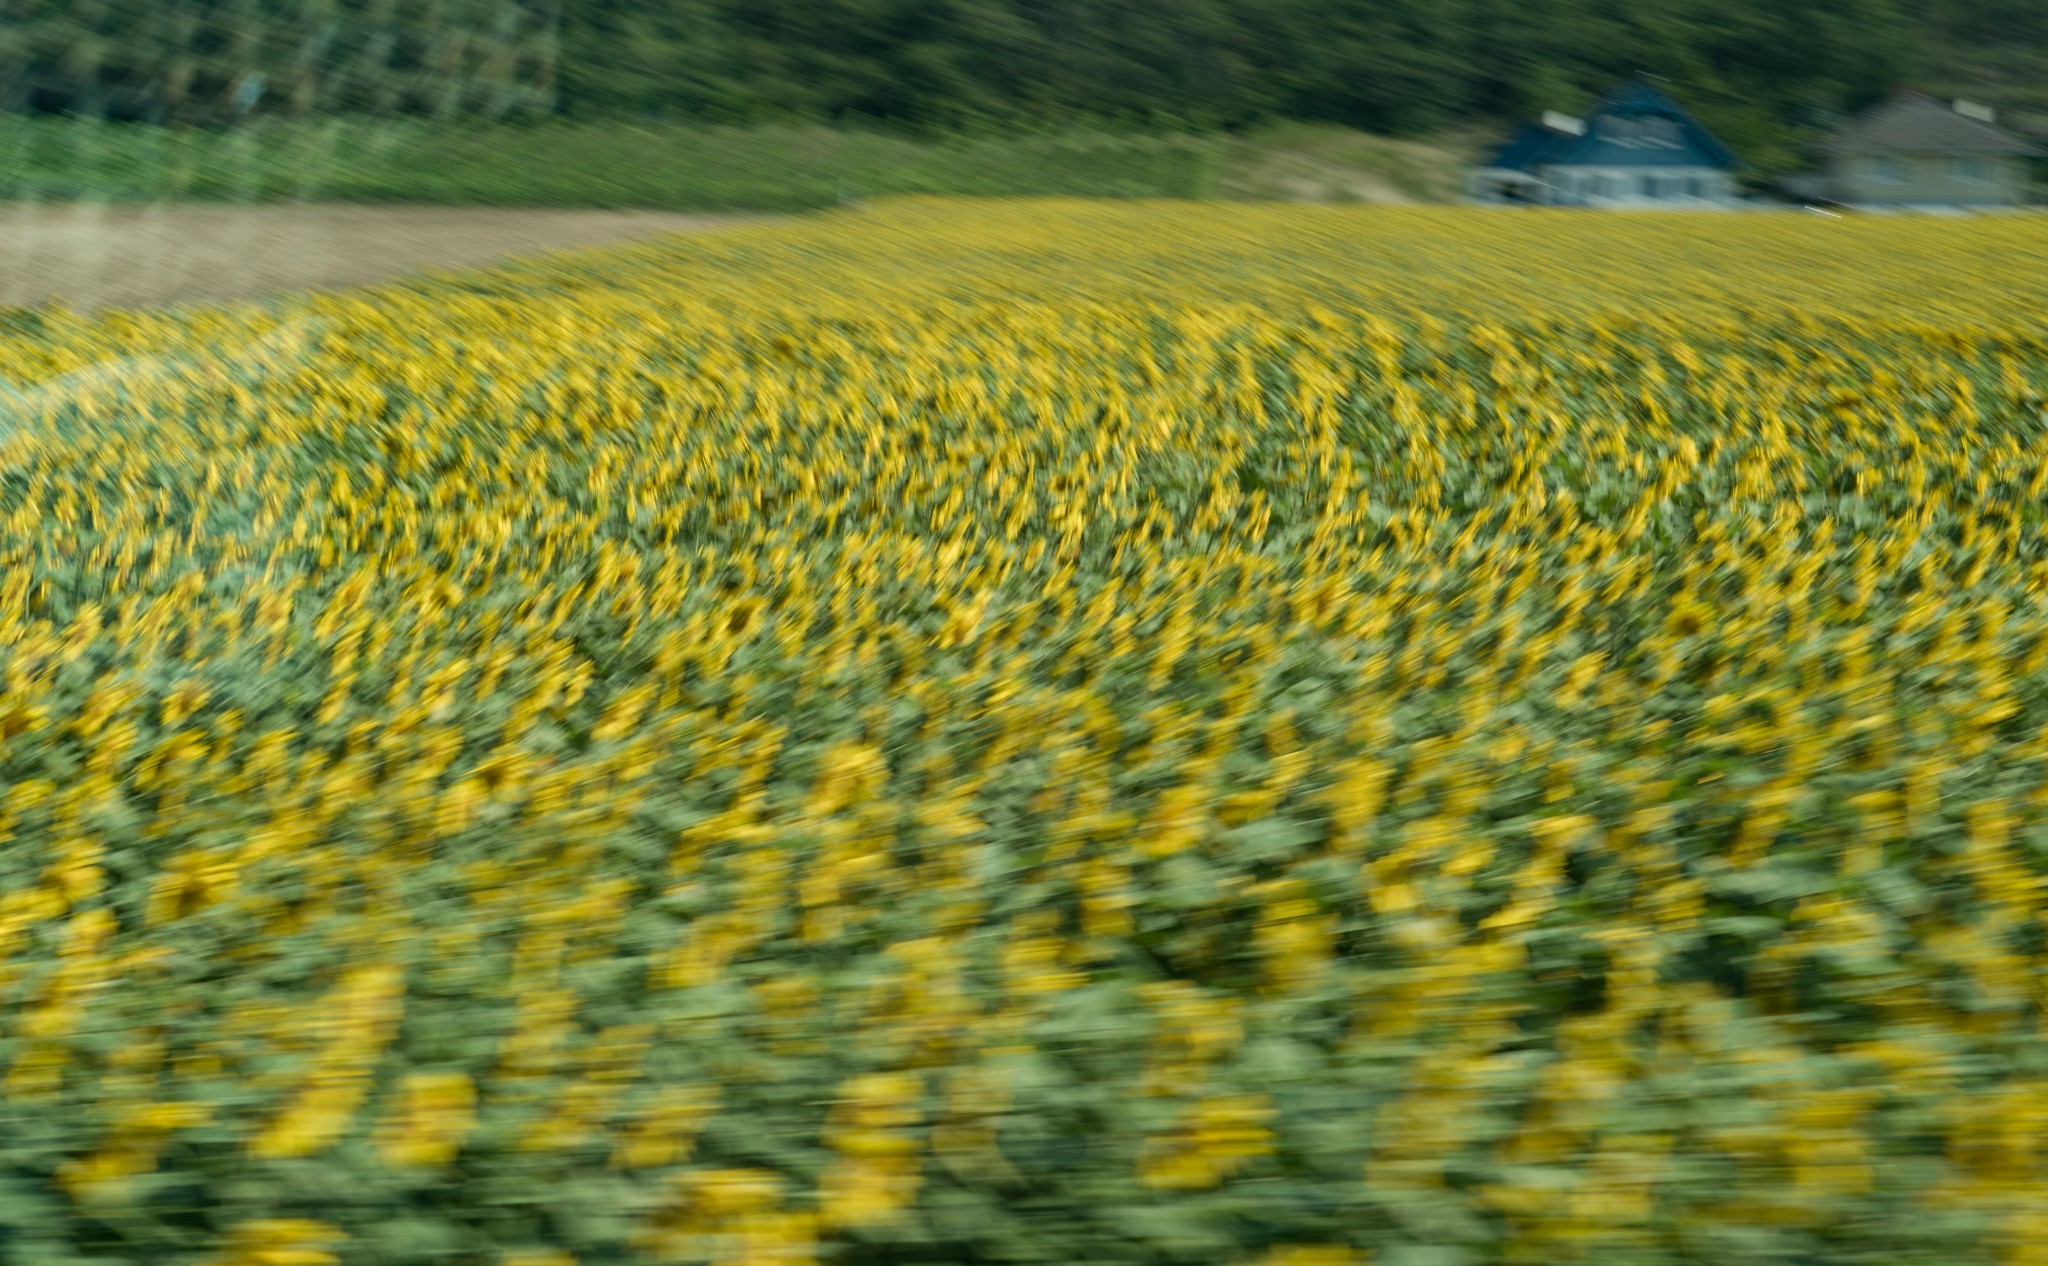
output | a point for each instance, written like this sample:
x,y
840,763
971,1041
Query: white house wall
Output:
x,y
1925,180
1576,186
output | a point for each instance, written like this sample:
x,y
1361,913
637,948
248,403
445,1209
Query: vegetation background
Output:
x,y
777,104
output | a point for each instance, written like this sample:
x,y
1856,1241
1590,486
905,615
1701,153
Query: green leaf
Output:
x,y
1270,839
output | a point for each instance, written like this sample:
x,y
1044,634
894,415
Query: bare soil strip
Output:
x,y
90,256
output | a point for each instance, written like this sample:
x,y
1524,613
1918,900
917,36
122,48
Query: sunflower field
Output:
x,y
1082,733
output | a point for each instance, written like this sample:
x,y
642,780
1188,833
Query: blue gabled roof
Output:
x,y
1525,149
1538,146
1636,95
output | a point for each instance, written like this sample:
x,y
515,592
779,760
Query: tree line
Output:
x,y
1758,71
1752,67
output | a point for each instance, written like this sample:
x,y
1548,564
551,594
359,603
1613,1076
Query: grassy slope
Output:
x,y
692,167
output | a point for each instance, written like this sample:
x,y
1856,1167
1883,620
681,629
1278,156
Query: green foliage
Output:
x,y
1764,75
1398,66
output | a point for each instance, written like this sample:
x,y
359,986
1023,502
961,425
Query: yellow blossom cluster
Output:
x,y
278,1242
877,1170
1115,733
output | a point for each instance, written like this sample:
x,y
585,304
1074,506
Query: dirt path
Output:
x,y
93,256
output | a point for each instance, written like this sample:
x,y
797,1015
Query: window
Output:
x,y
1621,131
1695,187
1652,186
1637,131
1886,169
1973,171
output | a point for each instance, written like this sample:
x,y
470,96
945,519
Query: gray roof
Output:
x,y
1913,123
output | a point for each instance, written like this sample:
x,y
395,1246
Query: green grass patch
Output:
x,y
666,166
698,167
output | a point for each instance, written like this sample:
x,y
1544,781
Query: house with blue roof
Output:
x,y
1636,148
